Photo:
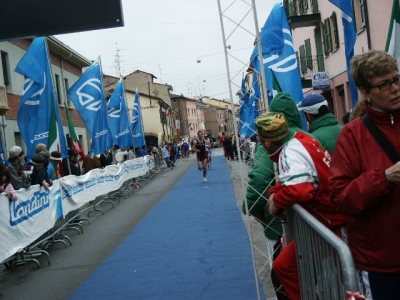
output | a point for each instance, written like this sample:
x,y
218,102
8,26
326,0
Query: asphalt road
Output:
x,y
70,266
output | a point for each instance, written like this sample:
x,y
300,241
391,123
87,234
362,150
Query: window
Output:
x,y
359,13
66,86
335,33
5,68
58,91
309,59
18,139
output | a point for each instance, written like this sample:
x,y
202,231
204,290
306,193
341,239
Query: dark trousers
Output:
x,y
384,285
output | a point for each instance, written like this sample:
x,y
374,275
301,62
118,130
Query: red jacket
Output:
x,y
303,174
359,189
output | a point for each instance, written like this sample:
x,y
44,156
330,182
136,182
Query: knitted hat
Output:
x,y
272,127
15,151
312,103
38,158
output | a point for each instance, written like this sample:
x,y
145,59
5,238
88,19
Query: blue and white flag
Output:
x,y
279,55
350,37
87,94
35,108
137,123
244,98
118,117
251,109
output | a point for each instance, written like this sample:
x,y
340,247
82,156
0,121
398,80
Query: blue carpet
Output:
x,y
192,245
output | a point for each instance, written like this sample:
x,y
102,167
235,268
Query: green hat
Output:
x,y
272,127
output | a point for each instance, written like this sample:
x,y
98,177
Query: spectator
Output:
x,y
39,172
5,183
131,153
322,124
90,163
118,155
106,158
41,147
143,151
172,154
165,154
301,180
228,147
125,154
16,157
71,163
185,149
365,181
53,168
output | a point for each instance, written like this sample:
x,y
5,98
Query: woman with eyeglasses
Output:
x,y
364,181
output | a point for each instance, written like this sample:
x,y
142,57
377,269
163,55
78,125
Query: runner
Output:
x,y
201,153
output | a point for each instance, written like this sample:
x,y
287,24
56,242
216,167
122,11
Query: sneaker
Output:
x,y
205,179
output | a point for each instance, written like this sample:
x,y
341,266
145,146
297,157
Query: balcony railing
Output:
x,y
302,13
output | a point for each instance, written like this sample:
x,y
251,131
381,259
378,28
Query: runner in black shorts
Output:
x,y
201,153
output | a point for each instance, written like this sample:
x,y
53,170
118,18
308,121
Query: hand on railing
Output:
x,y
274,210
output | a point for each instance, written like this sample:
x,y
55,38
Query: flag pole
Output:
x,y
127,108
261,59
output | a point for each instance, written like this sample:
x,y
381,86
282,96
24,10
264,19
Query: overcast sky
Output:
x,y
167,37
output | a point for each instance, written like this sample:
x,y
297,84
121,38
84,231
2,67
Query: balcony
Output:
x,y
302,13
309,65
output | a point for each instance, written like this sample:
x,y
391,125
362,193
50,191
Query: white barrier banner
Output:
x,y
37,210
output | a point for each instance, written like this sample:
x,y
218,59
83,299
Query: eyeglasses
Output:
x,y
388,84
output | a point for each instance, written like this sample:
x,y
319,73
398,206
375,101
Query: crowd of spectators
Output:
x,y
346,177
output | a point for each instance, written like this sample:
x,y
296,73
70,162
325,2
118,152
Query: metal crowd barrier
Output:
x,y
72,221
325,264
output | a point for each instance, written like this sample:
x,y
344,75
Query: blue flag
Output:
x,y
118,117
244,98
350,36
87,94
35,108
251,109
279,55
137,123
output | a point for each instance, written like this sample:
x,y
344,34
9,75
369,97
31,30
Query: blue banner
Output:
x,y
244,98
87,94
35,107
350,37
118,117
251,109
137,123
279,55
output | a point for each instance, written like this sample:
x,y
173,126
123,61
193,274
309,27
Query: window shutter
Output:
x,y
303,64
309,58
320,52
335,31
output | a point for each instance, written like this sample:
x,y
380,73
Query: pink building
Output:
x,y
318,38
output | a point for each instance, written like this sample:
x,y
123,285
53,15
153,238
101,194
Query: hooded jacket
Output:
x,y
262,174
359,189
326,130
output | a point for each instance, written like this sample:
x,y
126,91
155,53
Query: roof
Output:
x,y
58,47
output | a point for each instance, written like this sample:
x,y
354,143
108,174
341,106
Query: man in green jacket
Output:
x,y
322,124
262,175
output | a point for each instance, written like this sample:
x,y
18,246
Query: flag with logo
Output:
x,y
118,117
73,137
279,56
87,94
350,36
393,39
244,98
251,109
137,123
39,119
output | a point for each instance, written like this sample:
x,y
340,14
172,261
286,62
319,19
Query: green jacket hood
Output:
x,y
285,104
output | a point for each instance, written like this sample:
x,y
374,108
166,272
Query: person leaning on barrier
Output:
x,y
118,155
16,157
106,158
303,179
39,172
262,178
364,183
322,124
71,163
131,153
53,167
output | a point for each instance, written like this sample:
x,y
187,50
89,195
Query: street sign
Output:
x,y
320,81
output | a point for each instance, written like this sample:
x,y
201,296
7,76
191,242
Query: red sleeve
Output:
x,y
288,195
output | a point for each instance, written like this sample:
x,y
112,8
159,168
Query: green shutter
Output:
x,y
303,63
328,36
335,31
309,57
320,52
314,6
